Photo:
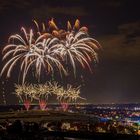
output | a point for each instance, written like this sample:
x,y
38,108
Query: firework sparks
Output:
x,y
31,52
51,49
68,94
72,94
75,49
41,92
75,43
27,93
24,93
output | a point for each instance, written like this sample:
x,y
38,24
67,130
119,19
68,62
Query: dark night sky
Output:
x,y
114,23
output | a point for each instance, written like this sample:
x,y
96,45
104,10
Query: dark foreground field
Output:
x,y
67,136
47,125
39,116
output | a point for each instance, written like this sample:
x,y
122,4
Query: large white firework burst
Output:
x,y
51,50
40,53
78,47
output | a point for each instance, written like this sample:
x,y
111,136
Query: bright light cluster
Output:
x,y
42,91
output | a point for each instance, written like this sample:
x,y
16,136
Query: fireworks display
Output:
x,y
41,92
51,49
25,94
